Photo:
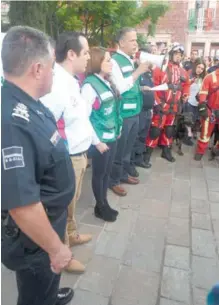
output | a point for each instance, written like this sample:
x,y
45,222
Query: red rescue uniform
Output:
x,y
161,130
209,94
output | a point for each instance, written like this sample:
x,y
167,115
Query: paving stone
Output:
x,y
90,219
197,173
199,296
112,244
137,286
69,279
199,190
213,185
151,226
144,253
180,190
94,230
124,223
203,243
180,209
100,275
214,196
205,272
178,232
175,285
214,210
177,257
8,287
170,302
163,179
201,221
155,208
200,206
160,194
216,228
83,297
212,173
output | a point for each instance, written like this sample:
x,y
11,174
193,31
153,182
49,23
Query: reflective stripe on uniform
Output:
x,y
203,92
129,106
214,77
205,138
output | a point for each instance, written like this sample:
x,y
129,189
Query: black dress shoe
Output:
x,y
64,296
133,172
104,213
113,211
188,141
143,164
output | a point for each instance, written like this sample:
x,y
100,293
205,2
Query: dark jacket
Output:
x,y
148,96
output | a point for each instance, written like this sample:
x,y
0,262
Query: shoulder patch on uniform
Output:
x,y
13,157
21,111
55,138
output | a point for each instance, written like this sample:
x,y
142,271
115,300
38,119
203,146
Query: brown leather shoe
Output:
x,y
119,190
75,267
131,180
79,239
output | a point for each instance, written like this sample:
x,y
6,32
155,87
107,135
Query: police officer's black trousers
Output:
x,y
145,118
122,163
37,284
101,168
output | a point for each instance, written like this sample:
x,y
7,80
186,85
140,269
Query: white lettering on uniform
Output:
x,y
108,111
13,157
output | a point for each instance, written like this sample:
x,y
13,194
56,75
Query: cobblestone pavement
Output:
x,y
162,250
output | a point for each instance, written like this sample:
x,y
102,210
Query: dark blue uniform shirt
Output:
x,y
35,163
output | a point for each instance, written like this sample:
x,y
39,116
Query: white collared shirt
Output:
x,y
65,101
123,84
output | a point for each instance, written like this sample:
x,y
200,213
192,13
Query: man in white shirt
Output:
x,y
126,78
66,103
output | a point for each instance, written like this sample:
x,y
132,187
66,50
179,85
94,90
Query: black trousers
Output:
x,y
37,284
122,163
145,118
101,168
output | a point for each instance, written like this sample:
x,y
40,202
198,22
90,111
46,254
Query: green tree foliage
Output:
x,y
99,20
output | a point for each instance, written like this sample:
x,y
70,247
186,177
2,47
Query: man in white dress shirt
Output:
x,y
126,78
66,103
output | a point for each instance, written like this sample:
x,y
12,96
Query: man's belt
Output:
x,y
79,154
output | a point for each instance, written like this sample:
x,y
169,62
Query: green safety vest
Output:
x,y
106,121
132,100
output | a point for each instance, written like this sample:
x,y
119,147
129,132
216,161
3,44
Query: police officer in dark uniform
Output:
x,y
37,175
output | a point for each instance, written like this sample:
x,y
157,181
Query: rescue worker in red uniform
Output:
x,y
209,112
167,104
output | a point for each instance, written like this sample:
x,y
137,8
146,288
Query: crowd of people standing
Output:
x,y
112,113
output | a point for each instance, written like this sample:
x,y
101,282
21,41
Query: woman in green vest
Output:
x,y
103,106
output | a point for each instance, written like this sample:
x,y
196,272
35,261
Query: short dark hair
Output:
x,y
194,51
21,46
122,32
68,41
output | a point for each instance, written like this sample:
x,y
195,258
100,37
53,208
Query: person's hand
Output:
x,y
144,67
185,98
102,147
145,88
60,258
203,110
